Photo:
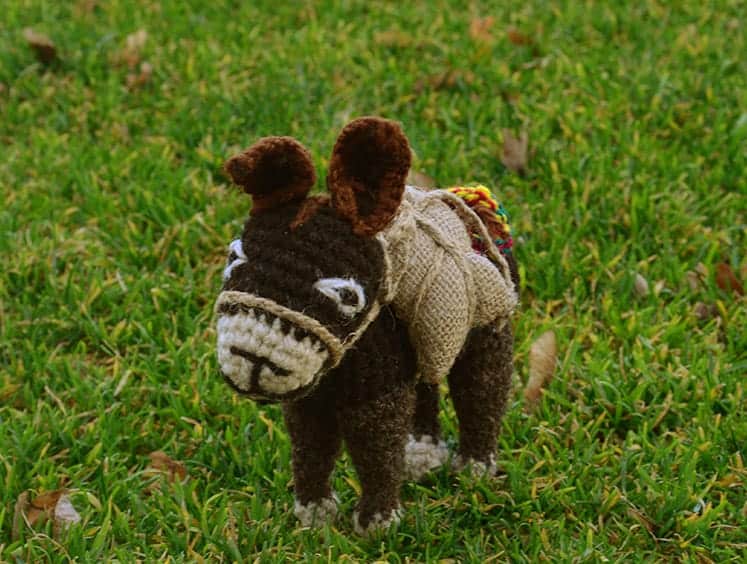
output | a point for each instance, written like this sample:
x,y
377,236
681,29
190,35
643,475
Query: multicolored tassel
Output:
x,y
492,212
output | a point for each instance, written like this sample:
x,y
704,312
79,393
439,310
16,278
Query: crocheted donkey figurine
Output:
x,y
348,309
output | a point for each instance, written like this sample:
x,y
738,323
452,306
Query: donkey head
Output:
x,y
305,279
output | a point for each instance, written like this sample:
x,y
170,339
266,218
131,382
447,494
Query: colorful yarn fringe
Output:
x,y
492,212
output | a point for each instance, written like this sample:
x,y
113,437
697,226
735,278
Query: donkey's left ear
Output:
x,y
274,171
367,173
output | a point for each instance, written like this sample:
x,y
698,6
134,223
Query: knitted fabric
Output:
x,y
285,315
437,284
481,200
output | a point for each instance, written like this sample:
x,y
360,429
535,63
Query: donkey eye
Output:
x,y
236,257
347,294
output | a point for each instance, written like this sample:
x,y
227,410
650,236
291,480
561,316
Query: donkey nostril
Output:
x,y
300,334
285,326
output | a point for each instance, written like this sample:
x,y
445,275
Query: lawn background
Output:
x,y
116,216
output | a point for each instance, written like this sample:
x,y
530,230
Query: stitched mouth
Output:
x,y
258,363
263,397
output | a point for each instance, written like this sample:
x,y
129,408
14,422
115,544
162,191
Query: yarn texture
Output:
x,y
350,309
438,285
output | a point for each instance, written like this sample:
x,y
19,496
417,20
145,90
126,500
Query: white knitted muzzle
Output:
x,y
262,359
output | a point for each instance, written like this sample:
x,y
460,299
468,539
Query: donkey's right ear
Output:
x,y
274,171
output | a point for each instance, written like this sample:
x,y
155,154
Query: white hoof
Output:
x,y
422,456
379,522
316,513
476,468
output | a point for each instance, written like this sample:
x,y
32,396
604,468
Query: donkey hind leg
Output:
x,y
480,386
316,441
424,450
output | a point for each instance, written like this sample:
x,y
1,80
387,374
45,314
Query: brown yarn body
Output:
x,y
373,399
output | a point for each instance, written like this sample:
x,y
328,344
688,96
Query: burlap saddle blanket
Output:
x,y
437,283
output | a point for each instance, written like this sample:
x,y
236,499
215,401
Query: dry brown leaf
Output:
x,y
543,355
420,179
443,80
84,7
162,463
514,154
518,38
136,40
479,29
393,38
18,514
693,279
643,520
131,52
42,46
727,280
55,505
137,80
640,285
704,312
511,97
48,500
8,390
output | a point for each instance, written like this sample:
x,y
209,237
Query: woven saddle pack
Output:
x,y
436,283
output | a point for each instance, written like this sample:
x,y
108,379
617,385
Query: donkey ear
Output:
x,y
274,170
367,173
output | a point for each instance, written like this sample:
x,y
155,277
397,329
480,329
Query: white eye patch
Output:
x,y
345,292
236,257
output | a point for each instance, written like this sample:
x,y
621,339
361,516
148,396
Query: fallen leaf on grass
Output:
x,y
704,312
420,179
161,464
693,279
518,38
514,154
650,526
479,29
543,356
510,97
8,390
443,80
42,46
727,280
141,78
55,505
84,7
393,38
131,52
640,285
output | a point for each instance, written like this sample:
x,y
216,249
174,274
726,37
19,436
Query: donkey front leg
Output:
x,y
316,441
375,434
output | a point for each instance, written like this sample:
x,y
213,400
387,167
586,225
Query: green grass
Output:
x,y
115,219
